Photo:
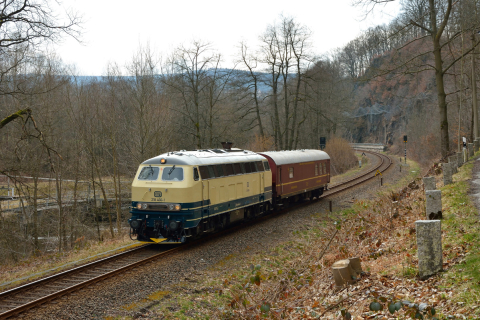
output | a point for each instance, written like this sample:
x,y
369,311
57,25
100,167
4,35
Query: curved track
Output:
x,y
384,164
20,299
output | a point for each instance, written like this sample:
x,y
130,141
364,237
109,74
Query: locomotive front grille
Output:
x,y
162,207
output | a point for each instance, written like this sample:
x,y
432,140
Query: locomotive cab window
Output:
x,y
266,165
148,173
260,166
172,174
290,172
195,174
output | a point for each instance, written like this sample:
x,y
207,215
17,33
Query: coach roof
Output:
x,y
296,156
206,157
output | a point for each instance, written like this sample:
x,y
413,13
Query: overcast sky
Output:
x,y
114,30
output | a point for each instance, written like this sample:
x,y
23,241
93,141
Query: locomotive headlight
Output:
x,y
178,207
142,206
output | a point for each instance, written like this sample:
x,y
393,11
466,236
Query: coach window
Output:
x,y
290,172
324,168
211,172
219,169
229,169
316,169
260,166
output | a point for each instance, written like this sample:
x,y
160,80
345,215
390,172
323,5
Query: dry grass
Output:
x,y
47,264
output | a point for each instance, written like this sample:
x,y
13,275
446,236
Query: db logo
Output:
x,y
158,194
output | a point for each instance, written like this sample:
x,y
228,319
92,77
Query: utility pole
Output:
x,y
474,92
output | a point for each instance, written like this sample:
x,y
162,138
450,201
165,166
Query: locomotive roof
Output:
x,y
296,156
206,157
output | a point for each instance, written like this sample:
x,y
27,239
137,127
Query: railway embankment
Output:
x,y
293,279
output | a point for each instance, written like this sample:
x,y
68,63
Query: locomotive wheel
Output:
x,y
267,208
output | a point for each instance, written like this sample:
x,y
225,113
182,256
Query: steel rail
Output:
x,y
363,174
80,285
361,178
42,282
57,276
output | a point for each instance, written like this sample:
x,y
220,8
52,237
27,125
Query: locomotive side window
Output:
x,y
248,169
260,166
238,169
242,166
172,174
148,173
211,171
219,169
290,172
253,166
195,174
229,169
204,172
316,169
266,165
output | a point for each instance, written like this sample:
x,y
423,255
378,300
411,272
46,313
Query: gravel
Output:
x,y
127,295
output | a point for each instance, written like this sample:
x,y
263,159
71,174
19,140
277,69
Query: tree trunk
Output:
x,y
58,188
442,103
36,246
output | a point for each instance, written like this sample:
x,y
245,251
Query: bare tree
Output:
x,y
432,18
186,73
24,26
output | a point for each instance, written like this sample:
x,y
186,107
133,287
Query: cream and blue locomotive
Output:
x,y
181,195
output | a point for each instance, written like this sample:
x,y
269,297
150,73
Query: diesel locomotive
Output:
x,y
179,196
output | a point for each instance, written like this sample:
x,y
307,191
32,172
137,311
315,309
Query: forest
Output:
x,y
71,144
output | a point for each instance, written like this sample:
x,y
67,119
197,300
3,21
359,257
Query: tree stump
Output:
x,y
346,271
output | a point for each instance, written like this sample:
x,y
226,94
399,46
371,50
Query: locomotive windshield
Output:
x,y
172,173
148,173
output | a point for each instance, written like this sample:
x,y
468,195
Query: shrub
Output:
x,y
342,156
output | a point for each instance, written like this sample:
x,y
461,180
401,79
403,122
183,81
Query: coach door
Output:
x,y
280,179
206,198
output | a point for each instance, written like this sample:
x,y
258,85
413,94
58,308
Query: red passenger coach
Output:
x,y
298,174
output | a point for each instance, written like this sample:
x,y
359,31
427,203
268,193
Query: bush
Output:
x,y
342,156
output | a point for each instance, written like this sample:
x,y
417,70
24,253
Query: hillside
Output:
x,y
387,107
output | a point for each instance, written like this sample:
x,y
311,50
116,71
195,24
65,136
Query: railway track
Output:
x,y
25,297
384,164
